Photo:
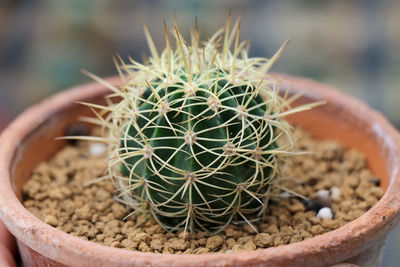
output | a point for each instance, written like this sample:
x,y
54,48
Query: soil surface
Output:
x,y
337,184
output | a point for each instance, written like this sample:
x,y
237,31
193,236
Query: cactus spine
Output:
x,y
193,136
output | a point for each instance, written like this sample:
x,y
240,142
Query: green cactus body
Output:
x,y
193,135
204,152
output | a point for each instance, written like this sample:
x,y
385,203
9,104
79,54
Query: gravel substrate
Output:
x,y
337,182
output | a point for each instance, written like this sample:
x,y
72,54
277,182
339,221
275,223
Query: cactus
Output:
x,y
193,137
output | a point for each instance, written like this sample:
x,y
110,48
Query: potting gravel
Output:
x,y
64,193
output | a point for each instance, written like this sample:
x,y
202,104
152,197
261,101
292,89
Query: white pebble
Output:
x,y
323,194
229,251
325,213
285,195
335,193
97,149
324,198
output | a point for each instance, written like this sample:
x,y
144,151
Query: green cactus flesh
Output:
x,y
202,152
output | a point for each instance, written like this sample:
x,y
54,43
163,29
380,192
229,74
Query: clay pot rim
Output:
x,y
44,238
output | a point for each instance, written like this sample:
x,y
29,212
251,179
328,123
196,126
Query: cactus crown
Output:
x,y
193,136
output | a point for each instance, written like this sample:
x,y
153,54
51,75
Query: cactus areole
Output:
x,y
193,137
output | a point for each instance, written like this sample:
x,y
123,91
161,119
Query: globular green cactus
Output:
x,y
194,134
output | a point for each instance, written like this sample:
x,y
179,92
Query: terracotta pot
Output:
x,y
7,242
30,140
7,247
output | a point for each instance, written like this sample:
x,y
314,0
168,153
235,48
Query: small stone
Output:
x,y
154,229
204,234
335,193
346,205
50,219
202,241
101,194
84,213
263,240
119,237
317,230
286,229
201,250
177,244
32,188
377,192
108,240
285,195
346,191
126,243
230,242
237,247
352,181
295,238
156,244
284,219
250,229
248,246
231,231
325,213
324,198
144,247
278,240
296,207
362,206
188,251
272,229
116,244
118,210
243,240
314,220
97,149
185,235
331,224
214,242
141,220
168,250
56,194
140,237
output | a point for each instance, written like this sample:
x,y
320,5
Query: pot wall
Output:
x,y
31,139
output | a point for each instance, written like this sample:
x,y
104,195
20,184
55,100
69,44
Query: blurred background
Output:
x,y
351,45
